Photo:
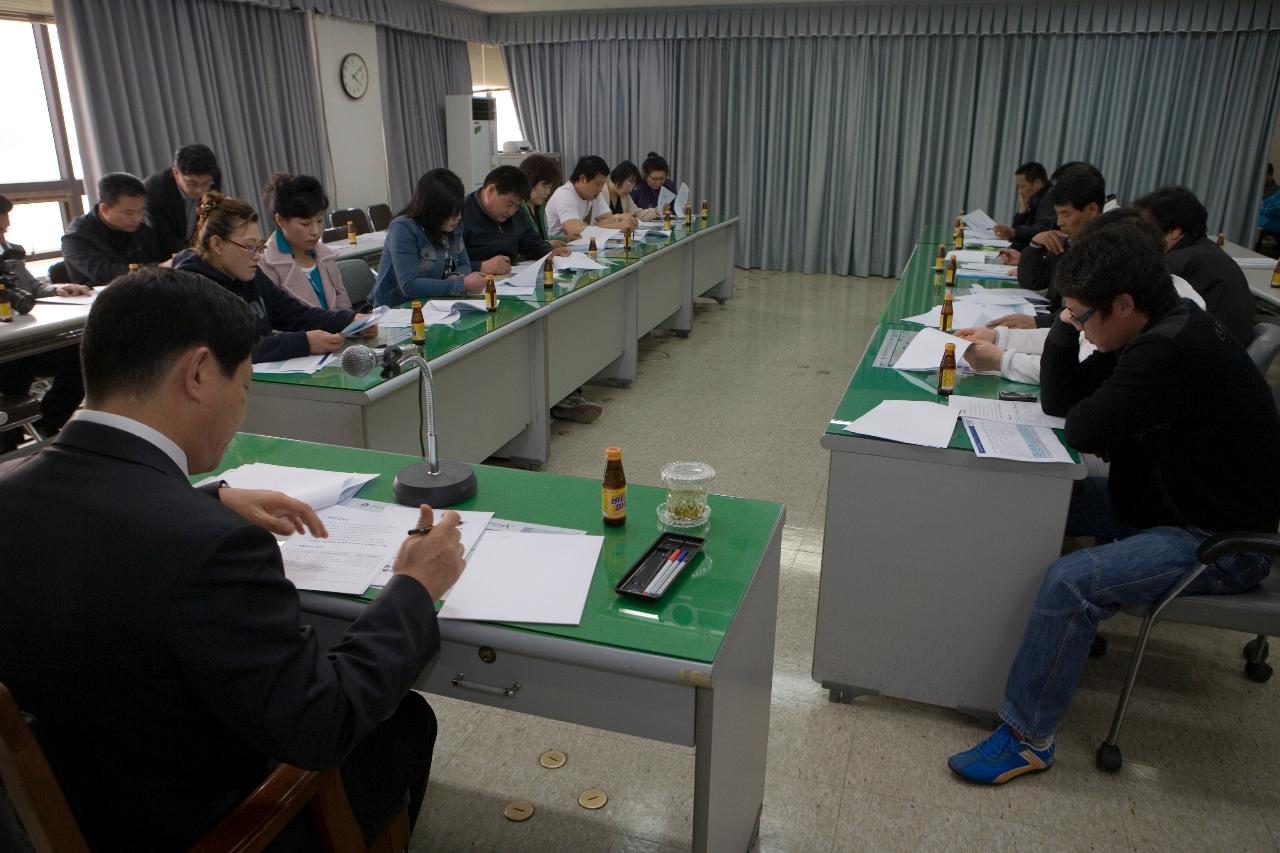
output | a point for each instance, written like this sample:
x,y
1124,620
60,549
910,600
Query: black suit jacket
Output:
x,y
96,253
166,212
1219,280
1040,216
158,643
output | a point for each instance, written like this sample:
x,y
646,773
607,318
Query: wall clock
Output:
x,y
355,75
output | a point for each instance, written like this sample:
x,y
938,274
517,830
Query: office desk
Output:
x,y
695,669
47,327
1259,280
365,245
932,557
497,376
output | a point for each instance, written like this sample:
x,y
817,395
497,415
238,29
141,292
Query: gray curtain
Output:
x,y
150,75
417,72
835,151
425,17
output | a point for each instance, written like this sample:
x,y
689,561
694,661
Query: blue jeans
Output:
x,y
1084,588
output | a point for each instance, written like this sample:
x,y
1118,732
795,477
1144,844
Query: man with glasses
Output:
x,y
494,235
101,245
1190,428
173,193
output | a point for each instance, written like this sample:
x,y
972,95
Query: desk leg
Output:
x,y
621,372
681,322
723,291
533,445
731,721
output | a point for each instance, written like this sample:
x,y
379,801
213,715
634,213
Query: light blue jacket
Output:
x,y
412,268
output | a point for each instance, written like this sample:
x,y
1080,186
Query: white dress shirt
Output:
x,y
141,430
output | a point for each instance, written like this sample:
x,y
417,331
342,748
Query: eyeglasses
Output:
x,y
255,250
1081,319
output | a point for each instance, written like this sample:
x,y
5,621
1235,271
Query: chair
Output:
x,y
1264,346
18,411
51,826
59,273
380,216
333,235
357,278
340,218
1254,612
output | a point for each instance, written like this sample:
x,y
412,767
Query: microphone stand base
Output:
x,y
415,485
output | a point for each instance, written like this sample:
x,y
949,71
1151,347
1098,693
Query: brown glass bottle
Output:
x,y
6,309
626,242
957,235
666,218
490,293
418,324
591,249
941,260
688,214
1275,275
946,318
947,371
548,274
952,266
706,211
133,267
1222,239
614,489
351,233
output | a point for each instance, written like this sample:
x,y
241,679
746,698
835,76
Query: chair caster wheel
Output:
x,y
1099,647
1251,650
1258,671
1109,758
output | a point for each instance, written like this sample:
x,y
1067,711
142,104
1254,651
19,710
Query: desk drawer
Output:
x,y
576,694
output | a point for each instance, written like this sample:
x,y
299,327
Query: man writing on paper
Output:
x,y
1191,431
1035,210
160,646
495,230
579,202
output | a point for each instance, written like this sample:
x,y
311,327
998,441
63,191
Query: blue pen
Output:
x,y
668,572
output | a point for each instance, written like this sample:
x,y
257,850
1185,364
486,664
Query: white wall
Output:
x,y
357,152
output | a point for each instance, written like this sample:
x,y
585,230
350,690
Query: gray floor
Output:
x,y
1202,744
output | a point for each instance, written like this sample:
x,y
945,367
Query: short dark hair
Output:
x,y
655,162
508,179
113,185
1175,207
295,196
539,170
1062,167
1079,186
196,159
139,325
589,167
1033,172
1117,253
5,205
622,171
438,196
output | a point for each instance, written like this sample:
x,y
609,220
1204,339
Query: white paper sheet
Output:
x,y
359,324
453,306
525,577
68,300
986,271
985,238
1015,441
317,489
578,261
1006,411
978,220
398,521
926,348
971,256
1256,263
602,235
1002,293
996,297
523,279
301,364
502,524
909,422
666,197
360,544
682,198
967,314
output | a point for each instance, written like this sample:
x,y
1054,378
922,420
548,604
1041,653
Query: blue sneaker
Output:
x,y
1000,758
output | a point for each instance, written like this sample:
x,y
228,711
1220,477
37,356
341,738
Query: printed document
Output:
x,y
317,489
1006,411
1022,442
301,364
359,324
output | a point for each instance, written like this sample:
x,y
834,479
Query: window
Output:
x,y
489,76
40,165
508,122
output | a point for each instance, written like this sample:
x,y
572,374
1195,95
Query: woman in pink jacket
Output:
x,y
295,258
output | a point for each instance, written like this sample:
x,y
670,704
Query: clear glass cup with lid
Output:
x,y
687,484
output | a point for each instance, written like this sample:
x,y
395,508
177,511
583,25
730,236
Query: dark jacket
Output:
x,y
23,288
1039,216
486,238
277,310
1035,272
167,213
96,253
1217,278
646,196
162,650
1188,421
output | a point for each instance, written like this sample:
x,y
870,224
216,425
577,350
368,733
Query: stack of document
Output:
x,y
986,271
317,489
304,364
524,278
602,237
434,313
926,349
1004,411
1022,442
359,324
1003,296
980,228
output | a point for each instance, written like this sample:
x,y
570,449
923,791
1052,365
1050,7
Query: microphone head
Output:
x,y
358,360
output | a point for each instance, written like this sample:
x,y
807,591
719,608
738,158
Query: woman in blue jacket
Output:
x,y
424,256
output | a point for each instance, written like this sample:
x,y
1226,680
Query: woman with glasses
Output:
x,y
424,255
295,258
656,175
227,248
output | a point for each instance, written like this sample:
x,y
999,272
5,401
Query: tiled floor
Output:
x,y
1201,743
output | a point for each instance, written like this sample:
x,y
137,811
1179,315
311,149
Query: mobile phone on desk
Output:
x,y
1018,397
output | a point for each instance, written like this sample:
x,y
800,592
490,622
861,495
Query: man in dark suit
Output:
x,y
1035,211
159,645
103,243
174,193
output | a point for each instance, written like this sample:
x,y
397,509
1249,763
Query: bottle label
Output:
x,y
419,332
6,310
490,301
944,323
946,380
614,503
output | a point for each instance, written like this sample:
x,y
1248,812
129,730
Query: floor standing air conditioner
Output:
x,y
471,130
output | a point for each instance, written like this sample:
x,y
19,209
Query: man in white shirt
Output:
x,y
579,202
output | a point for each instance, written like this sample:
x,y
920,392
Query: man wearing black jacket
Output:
x,y
161,647
1035,210
495,230
1191,430
1191,255
103,243
173,193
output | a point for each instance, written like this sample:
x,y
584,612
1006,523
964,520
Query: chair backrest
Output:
x,y
379,216
32,786
1264,346
59,273
357,278
340,218
333,235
